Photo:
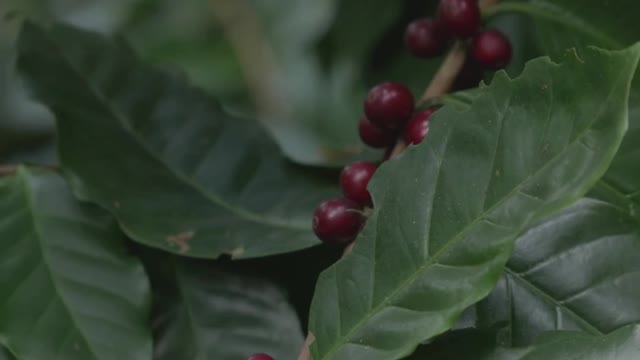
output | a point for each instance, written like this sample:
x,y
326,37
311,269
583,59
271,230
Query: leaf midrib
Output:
x,y
467,228
532,287
188,309
22,176
240,212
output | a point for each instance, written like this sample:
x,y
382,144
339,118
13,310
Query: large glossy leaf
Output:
x,y
578,270
68,287
206,312
448,211
5,354
623,344
463,344
177,172
561,24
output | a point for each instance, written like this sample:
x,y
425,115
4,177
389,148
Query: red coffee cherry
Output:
x,y
418,127
374,135
338,221
425,38
354,179
491,49
260,357
389,105
460,17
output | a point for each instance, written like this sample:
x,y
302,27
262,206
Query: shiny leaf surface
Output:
x,y
207,312
443,230
177,172
623,344
578,270
562,24
68,287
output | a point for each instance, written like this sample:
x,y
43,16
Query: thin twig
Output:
x,y
440,84
8,170
305,354
245,32
446,75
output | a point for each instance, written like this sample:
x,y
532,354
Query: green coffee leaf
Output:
x,y
448,211
5,354
69,289
562,24
575,271
205,311
177,172
622,344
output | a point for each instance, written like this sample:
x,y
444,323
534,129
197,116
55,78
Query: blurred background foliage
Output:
x,y
301,66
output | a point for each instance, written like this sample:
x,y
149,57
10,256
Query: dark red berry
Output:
x,y
260,357
354,179
389,105
337,221
491,49
470,75
374,135
425,38
460,17
418,127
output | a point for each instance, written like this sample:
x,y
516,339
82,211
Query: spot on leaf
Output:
x,y
236,252
181,241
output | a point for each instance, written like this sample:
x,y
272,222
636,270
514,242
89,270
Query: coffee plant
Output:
x,y
433,179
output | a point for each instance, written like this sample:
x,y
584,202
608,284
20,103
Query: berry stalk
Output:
x,y
445,77
7,170
440,84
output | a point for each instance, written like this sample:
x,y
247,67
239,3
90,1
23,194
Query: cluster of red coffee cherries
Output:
x,y
429,37
388,114
389,111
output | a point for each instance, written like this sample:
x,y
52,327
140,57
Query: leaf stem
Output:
x,y
8,170
446,75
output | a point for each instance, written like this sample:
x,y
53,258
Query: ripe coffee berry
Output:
x,y
338,221
425,38
260,357
460,17
389,105
418,127
470,75
354,179
491,49
374,135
